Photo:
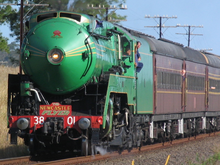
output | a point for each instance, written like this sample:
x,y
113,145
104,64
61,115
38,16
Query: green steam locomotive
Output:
x,y
81,90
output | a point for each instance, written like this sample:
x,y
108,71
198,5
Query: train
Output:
x,y
80,89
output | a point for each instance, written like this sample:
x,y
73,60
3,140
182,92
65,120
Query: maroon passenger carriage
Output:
x,y
186,90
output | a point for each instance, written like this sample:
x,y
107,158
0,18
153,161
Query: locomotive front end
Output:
x,y
57,53
46,105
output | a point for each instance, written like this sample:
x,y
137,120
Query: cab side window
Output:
x,y
126,48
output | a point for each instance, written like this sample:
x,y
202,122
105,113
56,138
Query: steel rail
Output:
x,y
147,148
116,154
15,160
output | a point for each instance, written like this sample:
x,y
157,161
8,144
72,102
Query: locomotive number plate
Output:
x,y
55,109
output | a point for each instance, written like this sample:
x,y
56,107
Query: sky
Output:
x,y
189,12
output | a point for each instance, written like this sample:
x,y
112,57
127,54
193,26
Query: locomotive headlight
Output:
x,y
55,56
22,123
84,123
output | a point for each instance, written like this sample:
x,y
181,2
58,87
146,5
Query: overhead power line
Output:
x,y
189,33
18,4
160,24
102,7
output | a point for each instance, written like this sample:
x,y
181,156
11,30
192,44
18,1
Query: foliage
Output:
x,y
14,17
4,44
81,6
77,6
12,58
58,4
4,12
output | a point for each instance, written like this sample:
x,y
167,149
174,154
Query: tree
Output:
x,y
81,7
58,4
13,56
4,44
14,17
77,6
4,12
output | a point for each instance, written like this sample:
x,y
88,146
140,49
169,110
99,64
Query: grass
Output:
x,y
212,160
6,149
215,159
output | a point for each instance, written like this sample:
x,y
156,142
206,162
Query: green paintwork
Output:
x,y
145,80
86,57
123,85
67,76
23,87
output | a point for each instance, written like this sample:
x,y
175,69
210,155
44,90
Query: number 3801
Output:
x,y
38,119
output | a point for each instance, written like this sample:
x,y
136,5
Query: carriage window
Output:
x,y
214,85
196,83
46,16
126,48
166,80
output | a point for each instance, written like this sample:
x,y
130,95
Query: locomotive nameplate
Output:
x,y
55,109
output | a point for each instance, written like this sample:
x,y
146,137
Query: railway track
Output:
x,y
16,160
86,159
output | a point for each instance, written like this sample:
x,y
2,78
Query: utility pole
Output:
x,y
123,7
21,32
189,33
21,21
160,25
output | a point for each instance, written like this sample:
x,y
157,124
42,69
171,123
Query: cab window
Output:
x,y
126,48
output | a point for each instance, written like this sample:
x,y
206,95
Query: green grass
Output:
x,y
212,160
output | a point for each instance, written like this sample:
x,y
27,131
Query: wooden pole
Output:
x,y
21,32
